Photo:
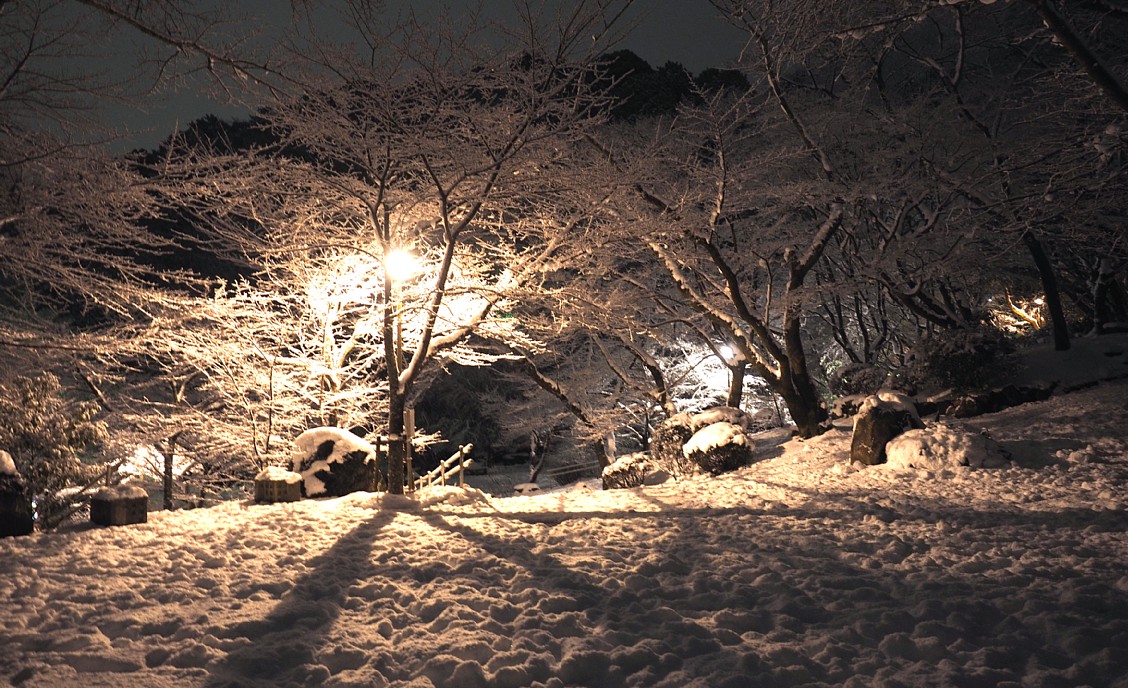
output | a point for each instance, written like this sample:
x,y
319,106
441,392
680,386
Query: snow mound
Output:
x,y
942,446
710,437
451,496
277,473
123,491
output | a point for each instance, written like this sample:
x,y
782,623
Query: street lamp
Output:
x,y
400,265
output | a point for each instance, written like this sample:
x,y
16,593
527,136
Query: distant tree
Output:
x,y
959,167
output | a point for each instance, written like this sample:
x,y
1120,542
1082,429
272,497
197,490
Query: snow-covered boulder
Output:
x,y
526,488
627,471
334,462
881,417
16,517
719,447
942,446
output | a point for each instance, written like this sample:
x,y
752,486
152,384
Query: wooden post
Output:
x,y
409,434
461,455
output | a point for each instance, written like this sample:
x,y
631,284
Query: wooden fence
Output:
x,y
455,465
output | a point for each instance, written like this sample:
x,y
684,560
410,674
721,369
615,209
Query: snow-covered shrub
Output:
x,y
965,360
941,445
334,462
51,438
629,470
847,406
720,414
666,445
719,448
857,378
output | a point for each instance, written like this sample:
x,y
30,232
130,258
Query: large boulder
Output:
x,y
881,417
334,462
16,514
719,447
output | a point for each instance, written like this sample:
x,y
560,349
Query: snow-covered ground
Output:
x,y
795,571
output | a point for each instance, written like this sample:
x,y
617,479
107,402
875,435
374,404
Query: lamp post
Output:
x,y
399,265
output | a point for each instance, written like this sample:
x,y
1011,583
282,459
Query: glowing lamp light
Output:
x,y
401,265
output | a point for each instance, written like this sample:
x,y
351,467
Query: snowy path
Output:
x,y
795,571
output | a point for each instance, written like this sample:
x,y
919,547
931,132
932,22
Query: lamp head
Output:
x,y
401,265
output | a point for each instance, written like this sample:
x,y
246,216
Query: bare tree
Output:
x,y
431,146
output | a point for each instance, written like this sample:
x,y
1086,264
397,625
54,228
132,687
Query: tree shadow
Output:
x,y
284,642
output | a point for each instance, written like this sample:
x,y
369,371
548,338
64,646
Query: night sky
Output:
x,y
684,31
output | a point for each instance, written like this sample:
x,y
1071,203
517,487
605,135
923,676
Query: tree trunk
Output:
x,y
807,410
1102,296
397,445
169,455
809,418
610,450
1050,287
736,384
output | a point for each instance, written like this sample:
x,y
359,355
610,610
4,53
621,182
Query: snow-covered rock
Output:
x,y
892,401
334,462
7,464
880,418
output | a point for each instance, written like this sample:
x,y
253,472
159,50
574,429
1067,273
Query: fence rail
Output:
x,y
573,472
455,465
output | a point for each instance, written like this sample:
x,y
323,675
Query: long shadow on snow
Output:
x,y
290,636
607,615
